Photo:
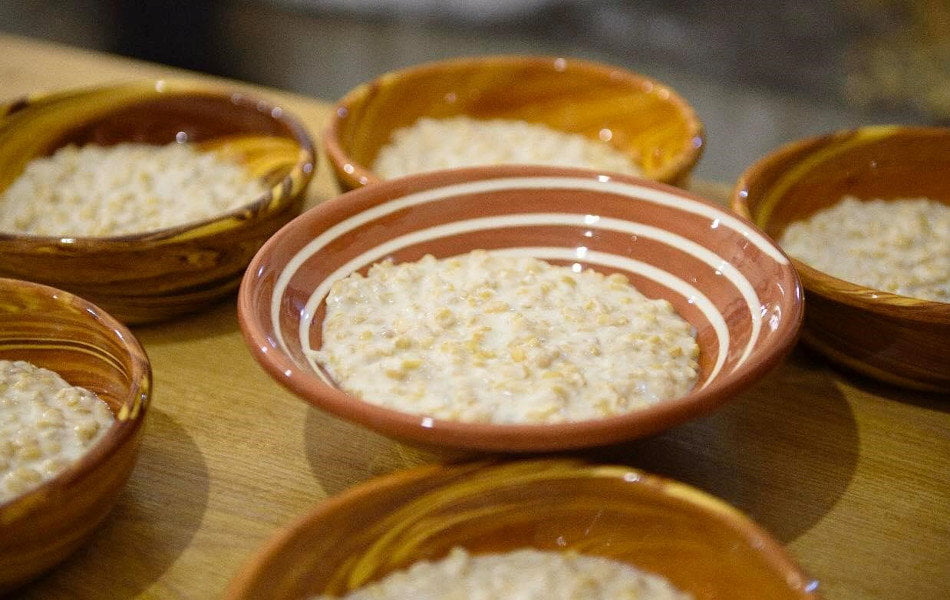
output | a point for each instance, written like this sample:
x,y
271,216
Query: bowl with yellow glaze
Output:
x,y
154,274
698,543
61,332
642,119
891,337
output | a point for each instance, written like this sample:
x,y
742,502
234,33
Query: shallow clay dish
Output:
x,y
160,274
892,338
641,117
718,271
87,347
699,543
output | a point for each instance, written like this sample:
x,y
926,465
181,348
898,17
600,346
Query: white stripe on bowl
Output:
x,y
630,265
625,189
567,219
698,251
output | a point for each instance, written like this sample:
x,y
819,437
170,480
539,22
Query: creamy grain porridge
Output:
x,y
524,574
489,337
46,424
432,144
898,246
99,191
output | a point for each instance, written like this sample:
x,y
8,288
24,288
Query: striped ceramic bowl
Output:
x,y
720,273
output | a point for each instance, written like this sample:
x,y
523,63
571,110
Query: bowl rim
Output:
x,y
357,175
819,282
273,200
123,429
492,436
768,547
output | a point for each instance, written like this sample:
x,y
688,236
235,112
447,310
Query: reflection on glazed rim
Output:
x,y
639,192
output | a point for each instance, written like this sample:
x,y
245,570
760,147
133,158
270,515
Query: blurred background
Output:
x,y
759,73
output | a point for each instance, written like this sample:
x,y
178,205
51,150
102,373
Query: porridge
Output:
x,y
432,144
489,337
897,246
45,425
524,574
99,191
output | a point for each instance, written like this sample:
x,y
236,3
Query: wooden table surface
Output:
x,y
853,477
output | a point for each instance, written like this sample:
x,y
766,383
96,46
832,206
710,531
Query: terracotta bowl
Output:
x,y
718,271
892,338
87,347
699,543
164,273
641,117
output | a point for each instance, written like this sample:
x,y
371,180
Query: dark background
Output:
x,y
759,73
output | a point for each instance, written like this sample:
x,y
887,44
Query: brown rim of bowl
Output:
x,y
775,554
502,437
172,87
119,432
362,175
829,286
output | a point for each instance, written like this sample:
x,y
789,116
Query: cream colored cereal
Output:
x,y
45,425
487,337
524,574
97,191
897,246
432,144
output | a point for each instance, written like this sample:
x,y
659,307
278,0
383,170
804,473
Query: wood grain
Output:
x,y
852,476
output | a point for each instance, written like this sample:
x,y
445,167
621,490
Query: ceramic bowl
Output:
x,y
699,543
87,347
718,271
641,117
892,338
159,274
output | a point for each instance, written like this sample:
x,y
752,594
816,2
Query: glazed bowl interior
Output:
x,y
698,543
894,338
56,330
177,269
874,162
641,117
719,273
152,112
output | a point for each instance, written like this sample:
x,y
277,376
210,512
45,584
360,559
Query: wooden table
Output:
x,y
852,476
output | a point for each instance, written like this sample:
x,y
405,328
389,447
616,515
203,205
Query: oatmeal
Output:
x,y
491,337
897,246
432,144
45,425
99,191
524,574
